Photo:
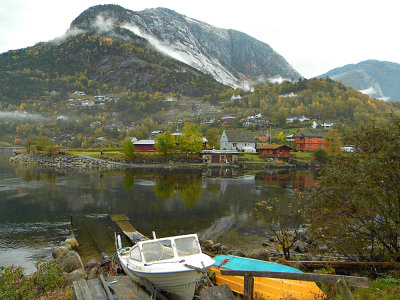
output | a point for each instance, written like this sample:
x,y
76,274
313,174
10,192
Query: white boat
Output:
x,y
173,264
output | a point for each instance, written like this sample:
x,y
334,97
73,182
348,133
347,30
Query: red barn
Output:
x,y
145,146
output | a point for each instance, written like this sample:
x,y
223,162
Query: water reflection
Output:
x,y
217,207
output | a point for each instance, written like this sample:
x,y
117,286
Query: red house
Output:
x,y
309,139
280,152
145,146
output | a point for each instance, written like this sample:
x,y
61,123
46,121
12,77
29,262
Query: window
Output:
x,y
310,139
309,146
319,146
234,144
158,250
319,139
187,246
135,254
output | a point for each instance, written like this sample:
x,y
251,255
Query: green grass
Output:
x,y
386,288
305,156
248,157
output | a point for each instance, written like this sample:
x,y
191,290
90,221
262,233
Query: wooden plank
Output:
x,y
81,290
119,217
152,289
248,286
325,278
96,289
346,263
218,292
126,227
344,290
126,289
106,288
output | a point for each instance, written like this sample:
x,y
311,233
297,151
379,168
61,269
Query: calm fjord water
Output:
x,y
36,207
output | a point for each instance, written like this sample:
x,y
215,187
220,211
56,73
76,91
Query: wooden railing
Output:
x,y
343,281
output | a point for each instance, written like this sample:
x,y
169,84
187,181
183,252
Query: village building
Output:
x,y
309,139
219,156
281,153
145,146
239,140
325,125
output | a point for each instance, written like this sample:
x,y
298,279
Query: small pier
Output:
x,y
126,227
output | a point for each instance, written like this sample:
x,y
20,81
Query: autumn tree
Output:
x,y
356,208
332,141
165,142
285,218
191,139
213,138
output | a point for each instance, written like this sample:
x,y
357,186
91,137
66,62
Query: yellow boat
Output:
x,y
264,288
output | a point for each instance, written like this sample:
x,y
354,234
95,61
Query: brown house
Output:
x,y
219,156
280,152
309,139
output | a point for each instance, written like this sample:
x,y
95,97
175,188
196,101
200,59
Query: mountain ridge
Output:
x,y
377,79
231,57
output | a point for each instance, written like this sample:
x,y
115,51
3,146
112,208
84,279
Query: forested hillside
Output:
x,y
319,99
96,65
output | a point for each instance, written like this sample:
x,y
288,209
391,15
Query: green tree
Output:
x,y
213,138
356,206
165,142
43,143
129,150
191,139
332,141
320,155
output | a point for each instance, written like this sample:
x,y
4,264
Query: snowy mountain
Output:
x,y
231,57
377,79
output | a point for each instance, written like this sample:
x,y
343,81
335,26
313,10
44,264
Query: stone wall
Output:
x,y
64,162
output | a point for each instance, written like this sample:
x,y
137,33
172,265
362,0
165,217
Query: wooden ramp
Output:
x,y
126,227
117,287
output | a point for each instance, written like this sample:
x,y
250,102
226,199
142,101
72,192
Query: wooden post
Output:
x,y
248,286
344,289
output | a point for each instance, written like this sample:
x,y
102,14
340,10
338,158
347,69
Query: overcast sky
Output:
x,y
314,36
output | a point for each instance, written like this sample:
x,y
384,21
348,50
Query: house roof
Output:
x,y
144,142
240,136
273,146
311,132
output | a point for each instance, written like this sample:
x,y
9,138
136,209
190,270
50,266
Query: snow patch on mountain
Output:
x,y
186,53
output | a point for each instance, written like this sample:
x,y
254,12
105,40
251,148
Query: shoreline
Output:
x,y
71,163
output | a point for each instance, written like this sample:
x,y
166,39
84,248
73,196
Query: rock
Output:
x,y
299,266
92,262
94,273
208,245
73,242
59,252
300,247
216,248
76,275
70,262
224,249
261,254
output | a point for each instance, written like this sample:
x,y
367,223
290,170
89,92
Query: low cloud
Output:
x,y
22,116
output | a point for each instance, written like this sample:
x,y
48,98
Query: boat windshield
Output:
x,y
157,250
187,246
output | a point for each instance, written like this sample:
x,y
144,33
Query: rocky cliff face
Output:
x,y
377,79
230,56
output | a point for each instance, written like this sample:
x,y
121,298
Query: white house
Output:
x,y
240,140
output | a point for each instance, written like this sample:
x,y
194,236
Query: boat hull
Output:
x,y
181,284
264,288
